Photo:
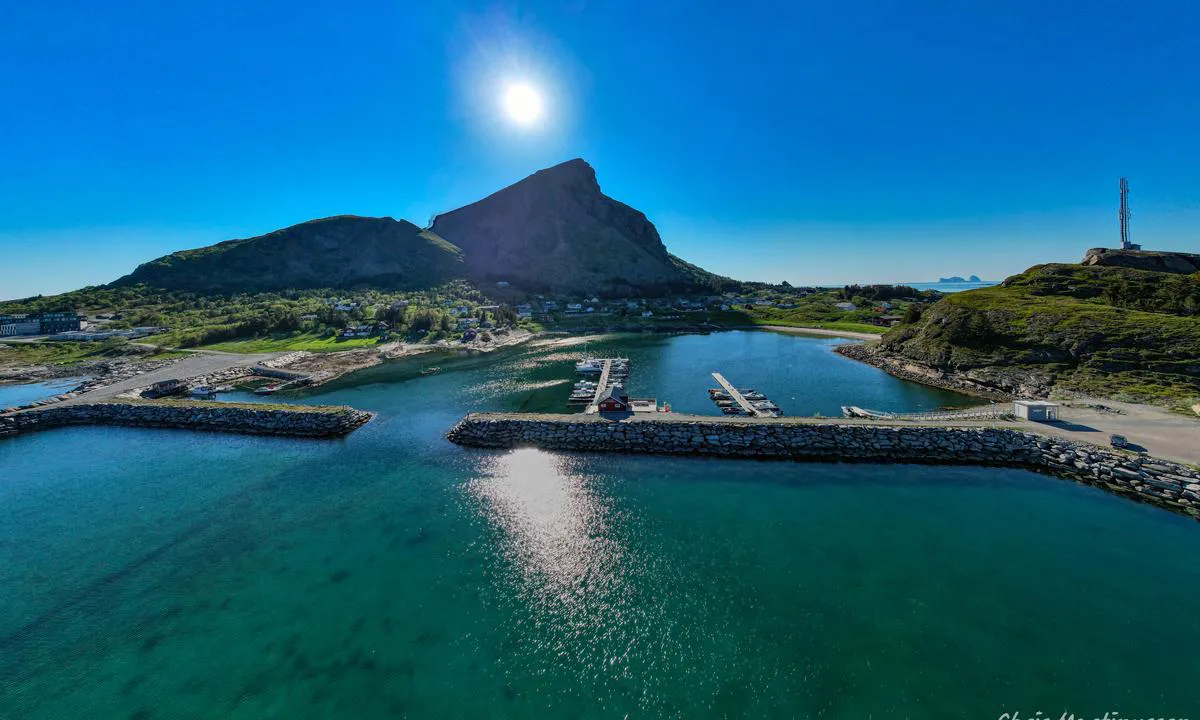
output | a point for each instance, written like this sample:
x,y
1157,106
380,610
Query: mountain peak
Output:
x,y
556,231
577,169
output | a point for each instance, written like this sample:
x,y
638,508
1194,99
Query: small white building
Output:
x,y
847,306
1036,410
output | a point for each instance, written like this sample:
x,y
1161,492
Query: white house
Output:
x,y
847,306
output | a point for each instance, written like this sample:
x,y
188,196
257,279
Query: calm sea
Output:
x,y
952,287
168,574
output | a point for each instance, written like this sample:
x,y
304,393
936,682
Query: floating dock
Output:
x,y
759,406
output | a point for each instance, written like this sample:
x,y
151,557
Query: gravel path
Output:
x,y
199,363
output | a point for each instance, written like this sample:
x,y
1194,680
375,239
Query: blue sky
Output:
x,y
894,140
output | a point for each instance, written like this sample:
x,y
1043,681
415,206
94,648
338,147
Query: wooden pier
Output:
x,y
737,396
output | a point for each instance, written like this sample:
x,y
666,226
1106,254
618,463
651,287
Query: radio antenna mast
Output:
x,y
1124,215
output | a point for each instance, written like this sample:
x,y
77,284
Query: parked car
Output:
x,y
1118,441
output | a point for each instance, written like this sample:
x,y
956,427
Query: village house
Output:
x,y
847,306
356,331
885,320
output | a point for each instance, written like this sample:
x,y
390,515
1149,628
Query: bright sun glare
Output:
x,y
523,103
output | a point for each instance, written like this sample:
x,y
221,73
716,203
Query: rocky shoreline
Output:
x,y
300,421
906,369
1164,484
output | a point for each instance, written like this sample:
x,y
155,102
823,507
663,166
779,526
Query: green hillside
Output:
x,y
1108,331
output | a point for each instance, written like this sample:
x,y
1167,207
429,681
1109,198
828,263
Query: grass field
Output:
x,y
311,342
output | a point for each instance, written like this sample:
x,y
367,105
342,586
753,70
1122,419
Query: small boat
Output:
x,y
203,391
431,371
589,366
266,390
223,388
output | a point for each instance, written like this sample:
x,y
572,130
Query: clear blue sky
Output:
x,y
821,143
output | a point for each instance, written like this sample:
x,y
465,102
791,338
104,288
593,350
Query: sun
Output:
x,y
522,103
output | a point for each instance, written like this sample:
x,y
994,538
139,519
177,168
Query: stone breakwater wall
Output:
x,y
300,422
1168,485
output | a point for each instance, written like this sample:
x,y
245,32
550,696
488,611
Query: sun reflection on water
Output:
x,y
560,536
556,527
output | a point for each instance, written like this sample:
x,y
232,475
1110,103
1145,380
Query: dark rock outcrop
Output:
x,y
1152,260
555,231
337,252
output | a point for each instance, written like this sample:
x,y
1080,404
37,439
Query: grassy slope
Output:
x,y
72,353
312,342
1097,330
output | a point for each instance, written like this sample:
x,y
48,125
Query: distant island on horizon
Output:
x,y
959,279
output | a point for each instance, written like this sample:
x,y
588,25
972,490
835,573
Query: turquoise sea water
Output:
x,y
15,395
952,287
164,574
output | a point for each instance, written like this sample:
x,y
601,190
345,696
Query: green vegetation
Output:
x,y
15,354
259,322
313,319
310,341
1104,331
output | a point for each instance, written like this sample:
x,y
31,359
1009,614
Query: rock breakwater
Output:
x,y
1165,484
301,421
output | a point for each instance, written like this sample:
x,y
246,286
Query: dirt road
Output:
x,y
817,331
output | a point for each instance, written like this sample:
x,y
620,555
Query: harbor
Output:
x,y
748,402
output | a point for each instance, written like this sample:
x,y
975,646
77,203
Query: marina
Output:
x,y
747,402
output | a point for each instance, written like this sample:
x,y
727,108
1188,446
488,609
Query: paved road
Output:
x,y
199,363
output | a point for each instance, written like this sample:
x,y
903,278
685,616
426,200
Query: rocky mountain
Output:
x,y
553,231
556,231
1091,329
337,252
